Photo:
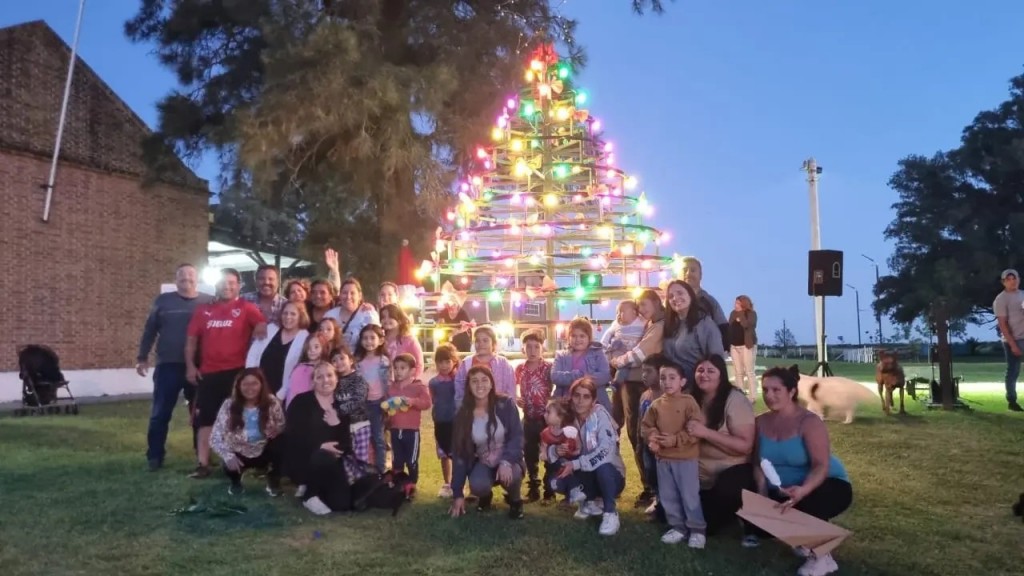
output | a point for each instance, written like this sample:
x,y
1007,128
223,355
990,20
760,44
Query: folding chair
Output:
x,y
41,382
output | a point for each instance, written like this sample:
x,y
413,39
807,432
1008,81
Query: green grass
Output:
x,y
932,496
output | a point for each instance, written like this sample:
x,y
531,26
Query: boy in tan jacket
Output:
x,y
664,429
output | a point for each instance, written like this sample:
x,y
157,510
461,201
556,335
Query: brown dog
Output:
x,y
889,376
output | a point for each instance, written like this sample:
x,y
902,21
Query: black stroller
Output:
x,y
41,381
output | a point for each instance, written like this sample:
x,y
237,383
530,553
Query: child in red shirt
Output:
x,y
533,379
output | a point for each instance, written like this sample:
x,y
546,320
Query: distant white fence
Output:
x,y
865,355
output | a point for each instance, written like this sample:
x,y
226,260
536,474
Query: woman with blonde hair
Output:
x,y
743,344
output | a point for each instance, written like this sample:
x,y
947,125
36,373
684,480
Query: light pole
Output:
x,y
813,171
878,315
856,295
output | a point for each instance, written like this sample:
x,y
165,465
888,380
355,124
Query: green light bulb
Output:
x,y
581,98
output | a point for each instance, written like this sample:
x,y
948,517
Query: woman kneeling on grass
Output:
x,y
598,471
796,443
247,429
487,441
318,440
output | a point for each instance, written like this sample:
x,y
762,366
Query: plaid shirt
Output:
x,y
534,388
273,313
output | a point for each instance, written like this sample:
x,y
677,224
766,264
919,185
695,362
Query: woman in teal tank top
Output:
x,y
796,443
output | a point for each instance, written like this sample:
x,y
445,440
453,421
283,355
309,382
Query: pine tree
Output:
x,y
548,214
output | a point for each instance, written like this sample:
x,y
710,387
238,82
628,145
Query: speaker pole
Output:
x,y
813,170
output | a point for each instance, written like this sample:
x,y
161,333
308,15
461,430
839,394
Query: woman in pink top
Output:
x,y
485,344
398,337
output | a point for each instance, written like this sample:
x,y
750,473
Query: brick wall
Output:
x,y
83,283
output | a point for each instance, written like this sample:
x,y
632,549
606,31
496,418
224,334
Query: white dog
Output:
x,y
833,394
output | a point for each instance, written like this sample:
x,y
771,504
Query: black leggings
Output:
x,y
827,501
328,481
725,497
270,458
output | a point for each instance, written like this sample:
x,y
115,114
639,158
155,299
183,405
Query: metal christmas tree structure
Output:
x,y
547,214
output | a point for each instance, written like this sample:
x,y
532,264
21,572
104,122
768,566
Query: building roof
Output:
x,y
101,132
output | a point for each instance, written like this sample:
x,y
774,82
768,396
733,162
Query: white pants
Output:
x,y
743,366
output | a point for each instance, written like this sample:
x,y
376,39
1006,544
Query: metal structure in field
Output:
x,y
547,216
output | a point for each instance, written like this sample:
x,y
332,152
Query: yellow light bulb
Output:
x,y
630,183
438,333
516,145
551,200
497,134
563,114
637,292
522,168
529,76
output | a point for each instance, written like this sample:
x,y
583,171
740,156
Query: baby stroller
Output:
x,y
41,381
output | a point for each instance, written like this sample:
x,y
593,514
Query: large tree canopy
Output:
x,y
959,221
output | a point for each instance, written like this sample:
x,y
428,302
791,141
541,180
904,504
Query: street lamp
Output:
x,y
856,294
878,315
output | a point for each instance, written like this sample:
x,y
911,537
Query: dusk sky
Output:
x,y
715,105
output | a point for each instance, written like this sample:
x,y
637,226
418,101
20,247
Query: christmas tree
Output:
x,y
547,215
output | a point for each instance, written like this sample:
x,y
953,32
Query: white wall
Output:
x,y
86,383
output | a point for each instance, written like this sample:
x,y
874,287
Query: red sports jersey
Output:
x,y
224,330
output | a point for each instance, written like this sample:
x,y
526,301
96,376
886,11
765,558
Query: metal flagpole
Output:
x,y
63,113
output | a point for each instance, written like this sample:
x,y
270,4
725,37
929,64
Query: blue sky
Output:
x,y
714,105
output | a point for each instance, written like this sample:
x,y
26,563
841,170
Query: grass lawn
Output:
x,y
932,496
971,372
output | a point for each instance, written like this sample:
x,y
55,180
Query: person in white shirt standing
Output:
x,y
1009,310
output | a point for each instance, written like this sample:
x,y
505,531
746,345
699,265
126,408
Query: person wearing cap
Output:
x,y
1009,310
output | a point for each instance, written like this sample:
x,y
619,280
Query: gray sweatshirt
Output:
x,y
169,318
688,347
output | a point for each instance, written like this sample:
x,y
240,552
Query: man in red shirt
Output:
x,y
221,332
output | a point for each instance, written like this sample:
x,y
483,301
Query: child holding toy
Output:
x,y
413,397
442,395
373,365
557,432
664,429
533,378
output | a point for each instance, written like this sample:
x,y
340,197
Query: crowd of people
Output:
x,y
319,387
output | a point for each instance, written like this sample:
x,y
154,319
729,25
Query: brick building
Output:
x,y
82,282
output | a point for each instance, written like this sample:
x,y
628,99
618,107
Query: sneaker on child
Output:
x,y
588,509
673,536
697,541
300,491
818,566
445,491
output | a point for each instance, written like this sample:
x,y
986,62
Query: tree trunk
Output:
x,y
941,319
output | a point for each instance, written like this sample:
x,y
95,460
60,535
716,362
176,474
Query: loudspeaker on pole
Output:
x,y
825,273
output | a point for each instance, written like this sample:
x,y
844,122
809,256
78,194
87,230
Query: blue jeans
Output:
x,y
1012,371
168,383
605,482
376,414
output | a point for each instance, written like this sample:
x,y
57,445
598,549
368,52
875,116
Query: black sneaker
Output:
x,y
549,498
273,487
484,503
515,510
155,465
1014,407
644,499
236,489
200,472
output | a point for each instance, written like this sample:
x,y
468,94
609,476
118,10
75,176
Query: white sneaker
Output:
x,y
445,491
673,536
750,541
300,491
588,509
818,566
609,524
577,496
316,506
697,541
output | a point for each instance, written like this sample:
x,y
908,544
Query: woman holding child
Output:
x,y
487,446
596,471
628,394
726,440
795,441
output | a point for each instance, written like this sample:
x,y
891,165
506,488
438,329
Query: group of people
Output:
x,y
316,387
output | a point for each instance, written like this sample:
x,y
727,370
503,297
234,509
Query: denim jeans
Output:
x,y
376,414
605,482
168,383
1012,371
